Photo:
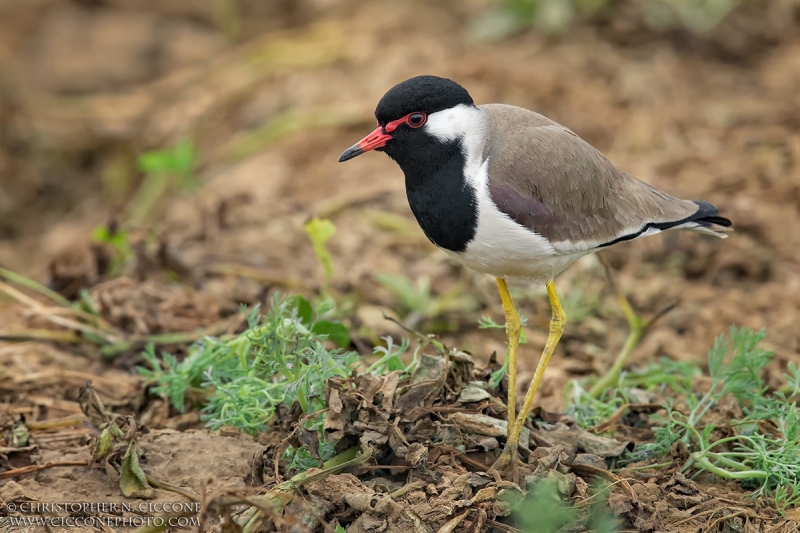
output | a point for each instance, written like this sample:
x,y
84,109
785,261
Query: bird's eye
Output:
x,y
415,120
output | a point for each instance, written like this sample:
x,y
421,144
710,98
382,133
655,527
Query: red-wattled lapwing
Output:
x,y
508,192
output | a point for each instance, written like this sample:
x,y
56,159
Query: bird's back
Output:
x,y
553,182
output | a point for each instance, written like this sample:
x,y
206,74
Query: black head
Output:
x,y
402,113
422,124
426,94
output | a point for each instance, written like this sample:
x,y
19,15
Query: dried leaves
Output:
x,y
438,431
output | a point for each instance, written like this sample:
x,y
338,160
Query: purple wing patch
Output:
x,y
526,211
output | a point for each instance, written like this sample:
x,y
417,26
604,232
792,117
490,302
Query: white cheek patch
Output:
x,y
467,124
457,122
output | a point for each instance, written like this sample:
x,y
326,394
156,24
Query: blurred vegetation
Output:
x,y
547,508
281,358
759,449
556,16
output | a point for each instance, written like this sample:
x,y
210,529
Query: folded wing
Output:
x,y
551,181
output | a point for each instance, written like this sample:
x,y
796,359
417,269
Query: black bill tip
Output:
x,y
350,153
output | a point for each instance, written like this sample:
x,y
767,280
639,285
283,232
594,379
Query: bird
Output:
x,y
508,192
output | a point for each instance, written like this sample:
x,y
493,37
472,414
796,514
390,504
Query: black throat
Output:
x,y
440,197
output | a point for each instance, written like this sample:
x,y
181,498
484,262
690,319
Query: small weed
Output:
x,y
281,358
765,443
662,374
320,231
301,459
390,357
543,510
486,322
390,360
590,412
165,171
118,242
417,304
413,296
168,170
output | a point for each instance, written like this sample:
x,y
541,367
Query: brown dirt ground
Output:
x,y
84,86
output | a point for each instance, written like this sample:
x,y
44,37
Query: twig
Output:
x,y
503,527
74,420
54,318
19,296
166,486
66,337
56,376
414,485
38,287
55,403
97,321
422,338
5,450
451,526
36,468
391,468
741,512
698,515
647,467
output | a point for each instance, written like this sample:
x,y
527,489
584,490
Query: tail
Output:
x,y
705,220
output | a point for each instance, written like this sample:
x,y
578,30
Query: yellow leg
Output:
x,y
556,328
513,330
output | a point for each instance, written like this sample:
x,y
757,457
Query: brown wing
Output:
x,y
553,182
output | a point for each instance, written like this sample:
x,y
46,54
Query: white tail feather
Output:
x,y
711,229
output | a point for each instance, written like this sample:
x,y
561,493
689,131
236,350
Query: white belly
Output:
x,y
504,249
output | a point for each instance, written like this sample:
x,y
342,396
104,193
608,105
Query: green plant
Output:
x,y
544,509
390,357
417,304
390,360
319,231
590,411
761,458
734,368
765,460
168,170
165,170
413,296
281,358
301,459
118,242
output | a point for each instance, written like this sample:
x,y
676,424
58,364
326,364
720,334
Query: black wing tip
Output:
x,y
706,216
719,221
708,213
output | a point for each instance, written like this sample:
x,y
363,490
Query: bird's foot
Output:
x,y
508,461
